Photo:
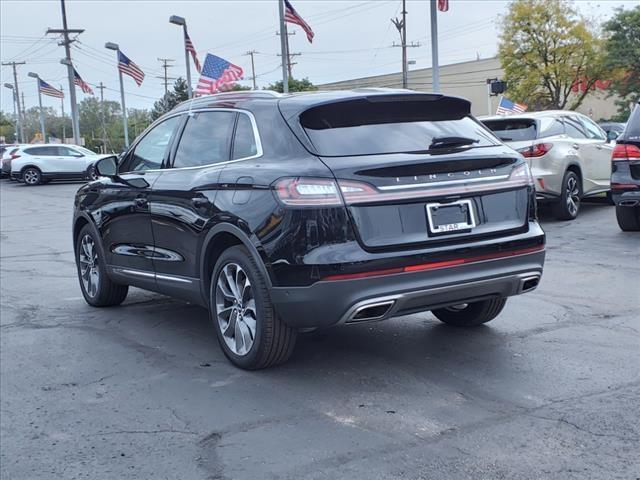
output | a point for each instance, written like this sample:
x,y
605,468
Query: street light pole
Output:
x,y
64,121
115,47
44,135
435,68
176,20
15,118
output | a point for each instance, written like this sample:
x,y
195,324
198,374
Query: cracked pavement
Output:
x,y
549,389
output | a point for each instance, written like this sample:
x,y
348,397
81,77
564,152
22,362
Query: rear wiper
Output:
x,y
451,142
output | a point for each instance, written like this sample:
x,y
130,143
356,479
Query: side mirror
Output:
x,y
107,166
612,136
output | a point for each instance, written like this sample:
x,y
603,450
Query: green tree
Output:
x,y
7,127
545,48
294,85
97,120
622,58
180,93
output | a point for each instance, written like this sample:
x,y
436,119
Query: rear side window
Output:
x,y
244,141
389,125
550,127
206,139
42,151
574,128
513,130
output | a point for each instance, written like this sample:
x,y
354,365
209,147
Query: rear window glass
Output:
x,y
389,125
513,130
632,132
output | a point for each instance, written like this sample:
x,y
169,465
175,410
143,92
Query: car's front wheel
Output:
x,y
569,205
97,288
32,176
628,218
470,314
249,330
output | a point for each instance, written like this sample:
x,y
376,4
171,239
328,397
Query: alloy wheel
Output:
x,y
236,309
31,177
573,195
89,266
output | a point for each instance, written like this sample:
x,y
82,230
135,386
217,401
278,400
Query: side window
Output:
x,y
68,152
149,153
593,131
206,139
244,141
551,127
42,151
574,128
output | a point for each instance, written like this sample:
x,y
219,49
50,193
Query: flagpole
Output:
x,y
116,48
283,49
64,128
44,135
435,69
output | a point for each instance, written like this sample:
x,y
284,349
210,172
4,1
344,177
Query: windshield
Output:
x,y
513,130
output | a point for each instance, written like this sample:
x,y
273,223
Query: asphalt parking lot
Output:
x,y
550,389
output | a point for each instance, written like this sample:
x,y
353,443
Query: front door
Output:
x,y
127,234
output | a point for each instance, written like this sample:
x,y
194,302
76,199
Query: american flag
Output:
x,y
188,44
507,107
47,89
291,16
443,5
216,73
127,67
77,79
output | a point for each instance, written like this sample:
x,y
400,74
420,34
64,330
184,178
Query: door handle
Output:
x,y
599,147
576,146
141,202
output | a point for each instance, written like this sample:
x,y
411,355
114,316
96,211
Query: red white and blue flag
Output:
x,y
77,79
188,44
291,16
443,5
126,66
216,73
507,107
47,89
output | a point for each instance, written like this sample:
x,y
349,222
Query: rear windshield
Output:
x,y
369,127
632,131
514,130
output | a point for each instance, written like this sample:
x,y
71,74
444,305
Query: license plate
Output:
x,y
450,217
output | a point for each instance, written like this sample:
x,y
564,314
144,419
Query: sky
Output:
x,y
352,39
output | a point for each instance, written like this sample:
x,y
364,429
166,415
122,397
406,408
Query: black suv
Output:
x,y
282,213
625,174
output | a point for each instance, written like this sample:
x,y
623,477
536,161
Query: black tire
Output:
x,y
32,176
272,340
569,205
92,173
107,293
470,314
628,218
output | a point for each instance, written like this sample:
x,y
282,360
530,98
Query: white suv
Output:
x,y
41,163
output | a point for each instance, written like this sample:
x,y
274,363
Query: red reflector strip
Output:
x,y
618,186
433,265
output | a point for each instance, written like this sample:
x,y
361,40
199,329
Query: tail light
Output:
x,y
14,156
308,191
536,150
625,152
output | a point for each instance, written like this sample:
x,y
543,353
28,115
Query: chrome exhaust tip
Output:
x,y
628,203
371,311
529,283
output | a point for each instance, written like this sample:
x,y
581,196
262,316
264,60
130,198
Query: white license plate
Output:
x,y
450,217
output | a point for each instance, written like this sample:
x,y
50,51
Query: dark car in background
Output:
x,y
288,212
612,129
625,174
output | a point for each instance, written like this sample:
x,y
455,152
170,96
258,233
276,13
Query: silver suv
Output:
x,y
569,155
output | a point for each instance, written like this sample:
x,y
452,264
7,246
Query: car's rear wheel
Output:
x,y
628,218
92,173
249,331
97,288
569,205
470,314
32,176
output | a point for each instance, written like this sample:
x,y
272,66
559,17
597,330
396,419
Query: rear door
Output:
x,y
584,149
402,189
599,149
70,161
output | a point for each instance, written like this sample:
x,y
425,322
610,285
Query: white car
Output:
x,y
41,163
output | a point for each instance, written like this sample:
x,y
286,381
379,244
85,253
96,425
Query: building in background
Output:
x,y
469,80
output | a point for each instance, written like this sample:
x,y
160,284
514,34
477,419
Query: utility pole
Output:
x,y
64,126
67,61
166,66
284,51
101,87
16,92
253,69
289,55
15,118
401,25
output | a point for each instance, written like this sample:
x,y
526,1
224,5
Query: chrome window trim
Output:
x,y
254,126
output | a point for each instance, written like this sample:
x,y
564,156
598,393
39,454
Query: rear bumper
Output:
x,y
626,199
328,303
